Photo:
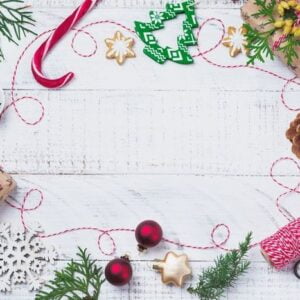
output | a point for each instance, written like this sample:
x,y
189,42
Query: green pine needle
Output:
x,y
15,21
214,280
258,44
78,281
288,49
265,9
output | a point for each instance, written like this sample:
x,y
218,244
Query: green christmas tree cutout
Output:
x,y
161,54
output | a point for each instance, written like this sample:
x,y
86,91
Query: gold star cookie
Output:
x,y
173,268
119,47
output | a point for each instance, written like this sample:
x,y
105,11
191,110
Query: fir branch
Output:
x,y
258,45
288,48
15,20
214,280
78,281
265,9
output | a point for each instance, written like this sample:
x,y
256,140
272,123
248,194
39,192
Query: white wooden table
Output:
x,y
188,146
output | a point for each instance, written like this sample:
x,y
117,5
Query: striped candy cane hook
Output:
x,y
54,38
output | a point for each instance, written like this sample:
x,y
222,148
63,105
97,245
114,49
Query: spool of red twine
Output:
x,y
283,247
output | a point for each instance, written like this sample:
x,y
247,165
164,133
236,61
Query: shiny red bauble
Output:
x,y
118,271
148,234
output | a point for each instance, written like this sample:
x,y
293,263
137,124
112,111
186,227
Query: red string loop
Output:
x,y
108,232
289,189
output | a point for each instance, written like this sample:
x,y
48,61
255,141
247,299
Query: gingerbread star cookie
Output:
x,y
119,47
174,268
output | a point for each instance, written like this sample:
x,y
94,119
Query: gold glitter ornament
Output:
x,y
119,47
174,268
236,41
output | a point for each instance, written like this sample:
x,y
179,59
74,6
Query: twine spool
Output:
x,y
283,247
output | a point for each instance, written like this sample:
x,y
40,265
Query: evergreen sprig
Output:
x,y
16,21
288,48
78,281
265,9
214,280
258,44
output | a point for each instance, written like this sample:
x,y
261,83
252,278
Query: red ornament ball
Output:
x,y
148,234
118,271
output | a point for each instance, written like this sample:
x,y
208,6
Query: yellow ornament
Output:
x,y
279,23
297,32
292,3
280,10
287,29
289,22
173,268
119,47
284,5
236,41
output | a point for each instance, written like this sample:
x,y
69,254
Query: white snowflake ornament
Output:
x,y
23,258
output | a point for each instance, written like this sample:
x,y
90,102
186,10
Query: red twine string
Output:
x,y
283,247
278,42
107,232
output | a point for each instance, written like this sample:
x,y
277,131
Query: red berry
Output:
x,y
118,271
148,234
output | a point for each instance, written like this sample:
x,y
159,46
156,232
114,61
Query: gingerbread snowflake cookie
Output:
x,y
236,41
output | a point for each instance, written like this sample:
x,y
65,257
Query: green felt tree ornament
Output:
x,y
162,54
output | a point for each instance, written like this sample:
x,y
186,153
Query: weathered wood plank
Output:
x,y
98,132
260,283
133,3
187,207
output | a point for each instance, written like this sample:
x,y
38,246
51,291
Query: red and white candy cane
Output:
x,y
54,38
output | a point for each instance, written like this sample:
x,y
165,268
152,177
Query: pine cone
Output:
x,y
293,134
